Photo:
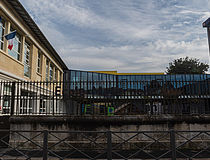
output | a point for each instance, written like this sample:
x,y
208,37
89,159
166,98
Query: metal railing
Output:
x,y
28,98
104,145
109,98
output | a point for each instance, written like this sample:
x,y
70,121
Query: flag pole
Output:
x,y
9,33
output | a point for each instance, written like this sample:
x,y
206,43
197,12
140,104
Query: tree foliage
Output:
x,y
187,66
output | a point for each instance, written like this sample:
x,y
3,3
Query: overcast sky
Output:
x,y
123,35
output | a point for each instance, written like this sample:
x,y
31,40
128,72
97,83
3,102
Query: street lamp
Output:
x,y
206,24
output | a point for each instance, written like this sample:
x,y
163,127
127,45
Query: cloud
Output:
x,y
152,57
130,36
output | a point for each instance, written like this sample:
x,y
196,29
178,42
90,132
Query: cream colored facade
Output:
x,y
31,59
12,68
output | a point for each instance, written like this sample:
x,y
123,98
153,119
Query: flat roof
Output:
x,y
116,73
18,7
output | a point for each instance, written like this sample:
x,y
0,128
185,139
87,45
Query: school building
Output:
x,y
28,57
32,57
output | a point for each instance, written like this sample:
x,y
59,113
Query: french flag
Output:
x,y
10,38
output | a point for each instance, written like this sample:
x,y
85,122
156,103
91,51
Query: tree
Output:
x,y
187,66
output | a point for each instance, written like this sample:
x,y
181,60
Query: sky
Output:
x,y
123,35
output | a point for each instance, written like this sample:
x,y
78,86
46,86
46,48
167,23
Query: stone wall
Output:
x,y
103,123
100,124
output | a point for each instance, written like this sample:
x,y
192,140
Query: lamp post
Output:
x,y
206,24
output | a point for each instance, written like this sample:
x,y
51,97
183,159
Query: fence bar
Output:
x,y
45,145
12,99
109,145
173,144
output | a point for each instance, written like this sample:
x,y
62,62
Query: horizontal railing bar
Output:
x,y
52,131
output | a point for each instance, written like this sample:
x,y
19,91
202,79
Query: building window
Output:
x,y
7,98
27,102
60,76
27,68
39,62
55,74
15,52
42,108
2,29
124,83
6,104
47,69
51,72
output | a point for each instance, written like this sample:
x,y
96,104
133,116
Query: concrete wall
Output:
x,y
133,123
115,124
9,64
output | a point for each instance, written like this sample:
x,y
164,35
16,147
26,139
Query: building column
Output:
x,y
60,75
33,59
43,67
7,30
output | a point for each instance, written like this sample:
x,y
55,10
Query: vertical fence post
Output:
x,y
173,144
12,99
53,98
109,145
45,145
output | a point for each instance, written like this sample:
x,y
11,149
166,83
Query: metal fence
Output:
x,y
136,97
139,97
27,98
104,145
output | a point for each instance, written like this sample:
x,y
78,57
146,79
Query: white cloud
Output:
x,y
131,36
153,57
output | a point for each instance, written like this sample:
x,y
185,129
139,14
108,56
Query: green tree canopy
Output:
x,y
187,66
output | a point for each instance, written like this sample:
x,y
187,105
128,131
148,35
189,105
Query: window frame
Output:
x,y
43,105
51,72
26,102
39,62
2,26
7,94
18,39
27,59
55,74
61,76
47,70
